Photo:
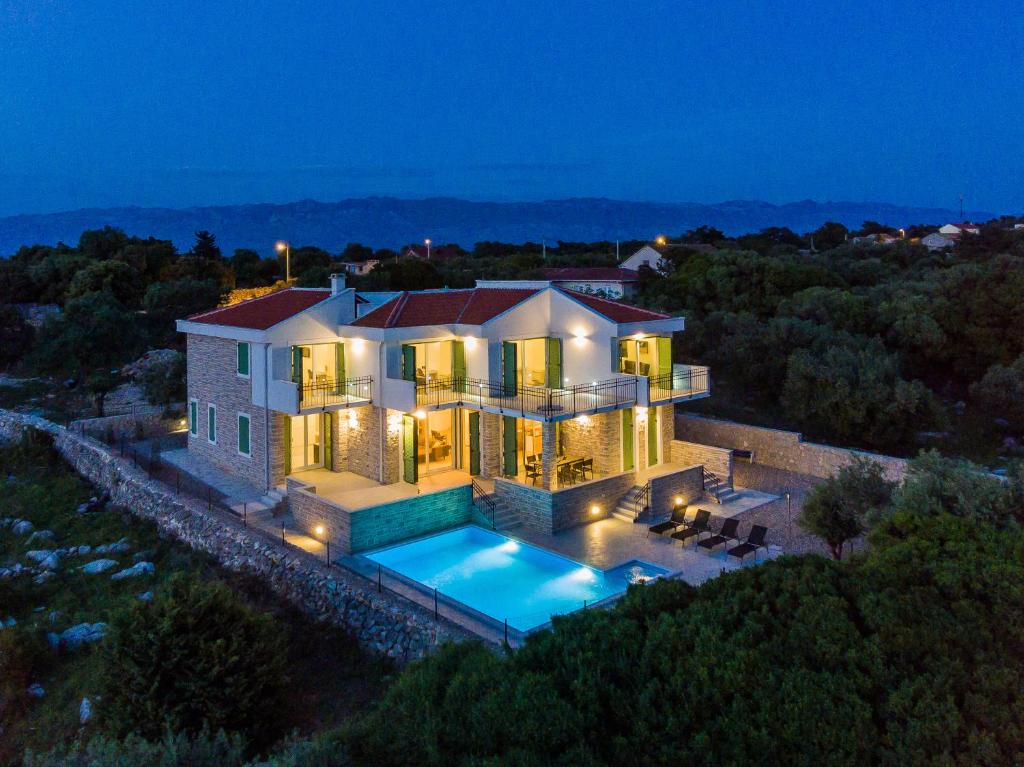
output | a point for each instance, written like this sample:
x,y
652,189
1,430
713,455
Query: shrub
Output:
x,y
23,656
194,657
171,751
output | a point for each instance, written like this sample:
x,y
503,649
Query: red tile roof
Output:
x,y
616,311
590,273
265,311
470,307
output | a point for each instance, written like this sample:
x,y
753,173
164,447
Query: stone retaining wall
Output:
x,y
780,449
384,623
717,460
687,484
148,422
547,511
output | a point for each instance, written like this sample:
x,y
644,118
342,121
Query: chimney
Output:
x,y
337,283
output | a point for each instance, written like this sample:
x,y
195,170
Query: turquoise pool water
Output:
x,y
504,578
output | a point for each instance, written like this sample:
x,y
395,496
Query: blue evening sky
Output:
x,y
108,103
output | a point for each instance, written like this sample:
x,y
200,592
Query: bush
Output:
x,y
172,751
195,657
23,657
1001,392
165,383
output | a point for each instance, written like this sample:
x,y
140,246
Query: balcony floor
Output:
x,y
354,492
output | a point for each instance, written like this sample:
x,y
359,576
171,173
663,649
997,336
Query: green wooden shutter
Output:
x,y
508,368
410,464
408,362
325,438
627,439
459,366
474,443
652,436
243,358
297,365
554,363
339,368
664,355
193,420
287,445
211,423
509,456
243,434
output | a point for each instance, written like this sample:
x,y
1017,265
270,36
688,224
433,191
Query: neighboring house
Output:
x,y
880,238
604,281
936,241
646,256
965,227
359,268
381,426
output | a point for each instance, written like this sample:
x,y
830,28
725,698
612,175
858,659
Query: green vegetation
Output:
x,y
211,650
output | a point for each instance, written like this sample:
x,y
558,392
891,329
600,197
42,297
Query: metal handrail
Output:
x,y
478,492
335,392
546,402
682,380
642,499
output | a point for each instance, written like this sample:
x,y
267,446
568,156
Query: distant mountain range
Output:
x,y
391,222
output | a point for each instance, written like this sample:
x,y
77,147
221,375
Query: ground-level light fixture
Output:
x,y
595,509
678,500
319,531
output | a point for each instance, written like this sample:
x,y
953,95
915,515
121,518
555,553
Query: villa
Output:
x,y
380,422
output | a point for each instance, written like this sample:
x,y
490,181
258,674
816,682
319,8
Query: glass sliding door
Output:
x,y
435,435
306,448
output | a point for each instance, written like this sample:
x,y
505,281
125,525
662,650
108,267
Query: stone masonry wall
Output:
x,y
132,426
311,510
781,449
385,623
359,432
687,484
490,445
548,512
598,437
667,426
717,460
212,379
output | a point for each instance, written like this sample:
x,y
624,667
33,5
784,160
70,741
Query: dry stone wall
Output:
x,y
383,622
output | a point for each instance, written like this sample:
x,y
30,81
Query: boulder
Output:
x,y
98,566
48,560
139,568
118,547
84,711
36,690
43,577
145,596
40,535
83,633
4,624
22,527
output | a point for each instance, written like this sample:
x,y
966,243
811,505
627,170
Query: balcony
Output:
x,y
685,382
534,402
325,394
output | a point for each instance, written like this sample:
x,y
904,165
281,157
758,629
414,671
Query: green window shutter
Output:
x,y
652,436
474,443
627,439
408,362
193,418
410,465
554,371
664,355
243,434
509,457
623,353
287,445
211,423
508,368
325,431
297,365
339,367
459,365
243,358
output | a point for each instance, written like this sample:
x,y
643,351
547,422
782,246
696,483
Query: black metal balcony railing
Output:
x,y
683,381
549,404
327,392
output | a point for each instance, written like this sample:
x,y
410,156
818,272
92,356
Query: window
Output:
x,y
193,418
243,434
211,424
243,359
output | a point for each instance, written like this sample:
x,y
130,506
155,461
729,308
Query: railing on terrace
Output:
x,y
548,404
328,392
683,381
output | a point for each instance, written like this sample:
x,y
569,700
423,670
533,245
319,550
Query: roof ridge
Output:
x,y
400,303
462,311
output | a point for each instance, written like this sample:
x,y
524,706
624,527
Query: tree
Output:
x,y
206,248
837,510
15,335
354,251
116,277
1001,392
195,658
165,383
829,235
102,244
169,301
306,259
245,263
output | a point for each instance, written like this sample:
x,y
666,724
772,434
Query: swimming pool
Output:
x,y
504,578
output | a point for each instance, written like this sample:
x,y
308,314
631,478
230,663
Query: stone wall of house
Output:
x,y
383,622
490,445
311,510
780,449
598,437
362,439
717,460
550,511
213,380
666,414
687,484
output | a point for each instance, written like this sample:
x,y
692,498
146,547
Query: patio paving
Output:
x,y
354,492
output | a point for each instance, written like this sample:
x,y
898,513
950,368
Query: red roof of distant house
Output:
x,y
475,306
616,311
590,274
265,311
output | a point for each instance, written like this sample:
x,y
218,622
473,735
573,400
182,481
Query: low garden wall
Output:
x,y
382,622
687,484
717,460
550,511
145,422
780,449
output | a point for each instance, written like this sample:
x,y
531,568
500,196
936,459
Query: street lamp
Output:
x,y
660,239
286,248
427,243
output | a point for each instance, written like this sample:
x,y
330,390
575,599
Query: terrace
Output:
x,y
685,382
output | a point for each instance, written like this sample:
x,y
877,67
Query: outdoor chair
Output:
x,y
565,474
701,524
678,519
533,472
755,541
577,470
587,465
729,532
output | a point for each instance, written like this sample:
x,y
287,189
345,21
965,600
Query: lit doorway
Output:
x,y
435,437
306,442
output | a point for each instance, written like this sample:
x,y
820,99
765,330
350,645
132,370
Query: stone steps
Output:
x,y
504,517
627,509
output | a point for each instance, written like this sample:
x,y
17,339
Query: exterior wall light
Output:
x,y
641,415
353,419
394,423
469,342
595,509
319,531
583,420
420,415
358,344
